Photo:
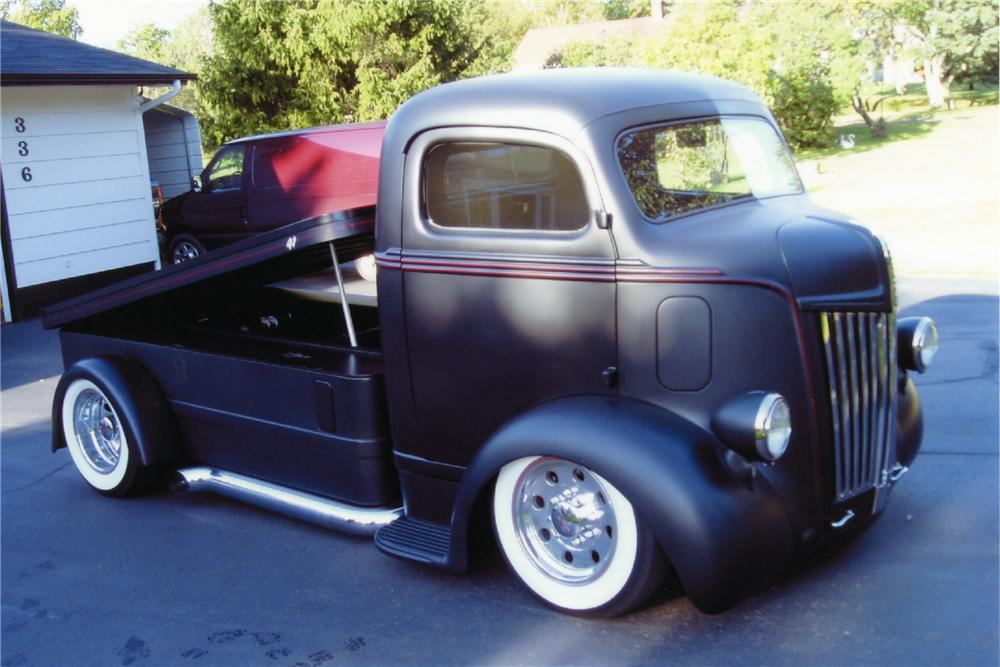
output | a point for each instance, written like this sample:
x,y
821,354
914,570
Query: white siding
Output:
x,y
76,181
173,143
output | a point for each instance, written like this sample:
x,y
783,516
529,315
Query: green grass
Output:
x,y
901,128
907,117
915,98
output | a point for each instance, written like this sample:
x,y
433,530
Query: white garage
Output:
x,y
77,155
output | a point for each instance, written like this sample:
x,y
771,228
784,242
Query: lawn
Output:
x,y
931,187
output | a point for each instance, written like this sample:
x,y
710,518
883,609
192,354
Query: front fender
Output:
x,y
911,422
724,537
138,397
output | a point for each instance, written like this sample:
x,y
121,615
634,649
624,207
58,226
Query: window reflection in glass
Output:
x,y
675,169
486,185
227,170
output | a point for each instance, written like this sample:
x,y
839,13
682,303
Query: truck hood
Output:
x,y
826,261
832,263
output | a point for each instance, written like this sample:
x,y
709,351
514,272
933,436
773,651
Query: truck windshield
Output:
x,y
676,169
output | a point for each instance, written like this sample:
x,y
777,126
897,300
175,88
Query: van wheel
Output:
x,y
573,538
100,442
183,248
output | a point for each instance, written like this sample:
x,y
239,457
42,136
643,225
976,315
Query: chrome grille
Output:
x,y
860,353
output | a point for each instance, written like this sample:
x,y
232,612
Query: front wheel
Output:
x,y
573,538
100,443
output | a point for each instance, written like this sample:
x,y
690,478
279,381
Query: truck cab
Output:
x,y
609,323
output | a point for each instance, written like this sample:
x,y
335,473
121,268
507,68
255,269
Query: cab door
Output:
x,y
218,213
508,283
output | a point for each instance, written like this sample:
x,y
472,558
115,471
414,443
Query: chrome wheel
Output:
x,y
98,430
184,251
573,538
564,521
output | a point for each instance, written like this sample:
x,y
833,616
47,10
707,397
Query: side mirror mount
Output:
x,y
196,184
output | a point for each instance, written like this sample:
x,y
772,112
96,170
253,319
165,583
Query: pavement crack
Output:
x,y
37,481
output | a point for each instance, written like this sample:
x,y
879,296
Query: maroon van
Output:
x,y
258,183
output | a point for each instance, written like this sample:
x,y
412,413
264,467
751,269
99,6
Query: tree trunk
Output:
x,y
895,70
937,89
876,127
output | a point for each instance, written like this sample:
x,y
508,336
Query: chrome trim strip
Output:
x,y
882,389
845,406
890,441
297,504
852,375
838,445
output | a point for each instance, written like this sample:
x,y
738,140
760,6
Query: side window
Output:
x,y
226,172
477,185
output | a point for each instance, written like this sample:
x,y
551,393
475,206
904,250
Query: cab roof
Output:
x,y
559,99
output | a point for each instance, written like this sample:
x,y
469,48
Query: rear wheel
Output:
x,y
183,248
100,443
573,538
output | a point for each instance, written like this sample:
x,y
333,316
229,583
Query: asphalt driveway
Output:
x,y
199,580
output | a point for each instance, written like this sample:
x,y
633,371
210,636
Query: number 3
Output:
x,y
22,148
19,124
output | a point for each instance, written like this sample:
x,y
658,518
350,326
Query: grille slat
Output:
x,y
860,360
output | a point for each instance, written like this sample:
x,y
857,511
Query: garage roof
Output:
x,y
33,57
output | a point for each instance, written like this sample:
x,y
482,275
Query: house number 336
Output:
x,y
22,148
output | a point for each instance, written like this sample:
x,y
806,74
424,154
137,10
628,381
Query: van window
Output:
x,y
226,172
503,186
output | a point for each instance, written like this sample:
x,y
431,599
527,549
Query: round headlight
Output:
x,y
925,343
772,427
918,343
756,425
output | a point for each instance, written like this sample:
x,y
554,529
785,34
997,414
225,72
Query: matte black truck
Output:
x,y
608,322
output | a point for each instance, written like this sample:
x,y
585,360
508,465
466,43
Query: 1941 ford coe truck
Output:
x,y
608,321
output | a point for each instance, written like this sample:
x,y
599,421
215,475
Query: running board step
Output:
x,y
413,539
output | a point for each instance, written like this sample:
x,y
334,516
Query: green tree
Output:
x,y
953,37
281,64
145,41
544,13
796,57
186,48
48,15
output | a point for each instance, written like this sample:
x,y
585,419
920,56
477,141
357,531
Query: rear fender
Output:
x,y
725,537
135,393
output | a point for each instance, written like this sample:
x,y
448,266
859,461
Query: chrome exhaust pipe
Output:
x,y
305,506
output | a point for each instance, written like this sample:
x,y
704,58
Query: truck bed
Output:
x,y
255,362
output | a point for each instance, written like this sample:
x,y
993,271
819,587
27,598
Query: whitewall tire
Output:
x,y
573,538
99,441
